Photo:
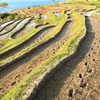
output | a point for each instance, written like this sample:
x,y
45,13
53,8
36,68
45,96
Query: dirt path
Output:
x,y
9,77
40,35
79,79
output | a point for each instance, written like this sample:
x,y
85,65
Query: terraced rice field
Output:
x,y
14,69
78,78
32,46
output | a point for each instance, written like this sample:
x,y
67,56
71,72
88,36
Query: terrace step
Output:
x,y
50,47
78,78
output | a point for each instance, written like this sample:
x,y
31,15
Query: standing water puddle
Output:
x,y
44,17
4,36
56,14
6,23
32,24
89,13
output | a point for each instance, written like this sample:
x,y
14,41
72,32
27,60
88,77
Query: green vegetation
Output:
x,y
4,41
21,39
11,28
84,2
9,16
3,4
78,31
14,42
38,19
12,32
95,15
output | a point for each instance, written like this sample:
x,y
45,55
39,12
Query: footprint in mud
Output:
x,y
42,36
53,49
13,83
94,52
17,76
91,48
62,42
80,75
90,70
58,47
89,55
29,71
83,85
47,54
94,59
41,59
1,88
71,92
53,52
86,63
30,67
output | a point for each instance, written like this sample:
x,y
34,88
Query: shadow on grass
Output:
x,y
53,85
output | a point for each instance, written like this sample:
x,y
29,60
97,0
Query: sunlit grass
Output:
x,y
27,48
70,46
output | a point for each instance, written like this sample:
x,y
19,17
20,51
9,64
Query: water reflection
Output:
x,y
18,26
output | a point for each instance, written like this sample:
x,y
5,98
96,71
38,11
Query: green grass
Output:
x,y
95,15
12,27
12,16
19,90
11,43
26,49
7,39
75,2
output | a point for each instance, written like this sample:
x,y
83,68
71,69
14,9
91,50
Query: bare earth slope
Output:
x,y
9,77
79,79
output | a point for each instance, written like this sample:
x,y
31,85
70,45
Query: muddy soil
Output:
x,y
79,79
40,35
10,76
25,30
7,27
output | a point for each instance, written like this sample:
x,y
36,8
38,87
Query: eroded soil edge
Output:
x,y
78,78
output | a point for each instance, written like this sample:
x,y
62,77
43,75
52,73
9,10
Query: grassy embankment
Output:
x,y
59,21
92,5
95,15
84,2
7,39
8,17
77,33
11,28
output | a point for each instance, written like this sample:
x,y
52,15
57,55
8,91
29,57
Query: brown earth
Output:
x,y
79,79
24,31
10,76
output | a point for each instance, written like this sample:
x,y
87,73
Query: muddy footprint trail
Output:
x,y
9,77
40,35
79,78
